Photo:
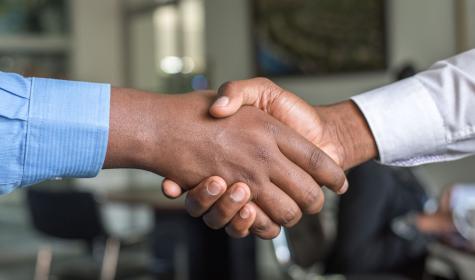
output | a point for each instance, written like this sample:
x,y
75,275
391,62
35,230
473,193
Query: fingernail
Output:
x,y
213,188
238,194
244,213
222,101
343,189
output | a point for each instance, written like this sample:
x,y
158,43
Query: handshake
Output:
x,y
253,158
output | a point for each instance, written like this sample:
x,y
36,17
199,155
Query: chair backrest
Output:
x,y
66,214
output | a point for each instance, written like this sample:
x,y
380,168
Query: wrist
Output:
x,y
346,126
131,129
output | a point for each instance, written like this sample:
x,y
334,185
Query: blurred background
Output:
x,y
324,51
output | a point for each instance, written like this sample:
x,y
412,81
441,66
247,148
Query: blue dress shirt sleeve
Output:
x,y
51,128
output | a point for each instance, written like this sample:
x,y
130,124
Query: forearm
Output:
x,y
346,125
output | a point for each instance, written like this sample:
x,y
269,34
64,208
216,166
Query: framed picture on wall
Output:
x,y
318,37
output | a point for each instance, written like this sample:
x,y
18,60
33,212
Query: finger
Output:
x,y
282,209
240,225
227,206
171,189
263,226
202,197
233,95
311,159
299,185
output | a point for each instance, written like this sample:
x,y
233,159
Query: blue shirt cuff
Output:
x,y
68,127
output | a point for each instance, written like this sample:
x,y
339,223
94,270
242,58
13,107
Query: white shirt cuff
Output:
x,y
405,122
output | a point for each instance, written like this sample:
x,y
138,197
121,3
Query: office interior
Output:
x,y
176,46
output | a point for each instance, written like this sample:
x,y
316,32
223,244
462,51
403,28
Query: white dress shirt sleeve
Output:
x,y
426,118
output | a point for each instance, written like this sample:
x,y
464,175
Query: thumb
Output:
x,y
225,106
171,189
234,95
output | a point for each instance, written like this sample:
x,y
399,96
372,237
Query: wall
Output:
x,y
97,41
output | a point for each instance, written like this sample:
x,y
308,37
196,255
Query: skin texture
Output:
x,y
259,157
340,130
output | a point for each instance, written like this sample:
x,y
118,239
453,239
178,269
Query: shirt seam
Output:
x,y
27,132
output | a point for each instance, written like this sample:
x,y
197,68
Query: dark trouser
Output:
x,y
365,243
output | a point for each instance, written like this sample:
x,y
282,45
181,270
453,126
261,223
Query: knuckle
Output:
x,y
262,154
266,230
271,233
291,216
255,194
247,177
311,198
228,87
271,128
260,193
268,91
263,80
271,89
315,159
262,227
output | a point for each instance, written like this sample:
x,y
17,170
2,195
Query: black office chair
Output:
x,y
74,215
66,214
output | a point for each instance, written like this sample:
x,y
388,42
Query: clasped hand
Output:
x,y
274,174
